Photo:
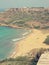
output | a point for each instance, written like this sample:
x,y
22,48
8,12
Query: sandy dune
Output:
x,y
34,40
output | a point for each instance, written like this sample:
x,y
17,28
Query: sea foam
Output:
x,y
17,39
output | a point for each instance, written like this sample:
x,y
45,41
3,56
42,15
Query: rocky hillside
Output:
x,y
26,17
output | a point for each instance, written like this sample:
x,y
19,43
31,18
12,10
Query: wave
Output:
x,y
17,39
26,33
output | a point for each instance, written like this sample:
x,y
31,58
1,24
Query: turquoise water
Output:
x,y
7,34
2,9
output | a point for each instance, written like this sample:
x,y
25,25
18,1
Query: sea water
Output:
x,y
8,37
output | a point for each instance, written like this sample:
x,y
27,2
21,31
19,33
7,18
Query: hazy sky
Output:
x,y
23,3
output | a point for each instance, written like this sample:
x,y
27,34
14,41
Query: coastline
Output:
x,y
25,35
31,41
11,26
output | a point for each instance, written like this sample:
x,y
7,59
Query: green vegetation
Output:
x,y
21,18
47,40
17,61
24,60
36,27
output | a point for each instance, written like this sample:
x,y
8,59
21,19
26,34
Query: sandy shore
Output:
x,y
33,40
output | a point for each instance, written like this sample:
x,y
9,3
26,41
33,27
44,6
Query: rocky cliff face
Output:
x,y
44,59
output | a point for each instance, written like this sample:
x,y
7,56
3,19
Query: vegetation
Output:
x,y
16,61
36,27
24,60
26,17
47,40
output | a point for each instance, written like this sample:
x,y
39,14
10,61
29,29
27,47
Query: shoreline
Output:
x,y
11,26
31,41
13,44
17,42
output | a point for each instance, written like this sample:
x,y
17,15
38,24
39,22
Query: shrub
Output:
x,y
47,40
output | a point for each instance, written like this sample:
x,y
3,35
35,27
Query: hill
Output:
x,y
35,17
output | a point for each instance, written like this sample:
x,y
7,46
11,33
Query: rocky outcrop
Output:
x,y
44,59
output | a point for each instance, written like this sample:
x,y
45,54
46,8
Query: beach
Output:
x,y
33,40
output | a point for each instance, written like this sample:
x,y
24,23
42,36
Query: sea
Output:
x,y
2,9
8,38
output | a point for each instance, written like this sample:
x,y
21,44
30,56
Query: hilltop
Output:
x,y
35,17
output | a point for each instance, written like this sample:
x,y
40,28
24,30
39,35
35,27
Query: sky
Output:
x,y
23,3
